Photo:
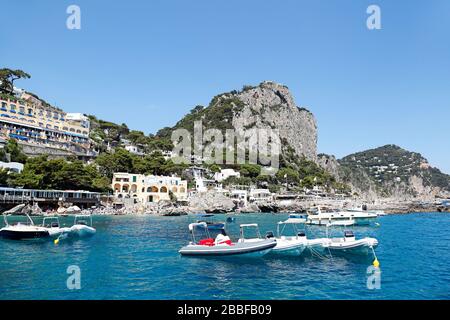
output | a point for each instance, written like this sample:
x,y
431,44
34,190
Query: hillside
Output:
x,y
107,135
389,171
268,105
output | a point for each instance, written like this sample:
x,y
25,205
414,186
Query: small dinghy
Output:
x,y
20,230
290,245
222,245
348,243
82,227
53,227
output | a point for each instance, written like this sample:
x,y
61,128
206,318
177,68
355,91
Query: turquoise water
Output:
x,y
137,258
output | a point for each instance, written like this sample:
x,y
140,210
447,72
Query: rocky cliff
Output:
x,y
268,105
272,105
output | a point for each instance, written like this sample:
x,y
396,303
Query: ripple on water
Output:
x,y
137,258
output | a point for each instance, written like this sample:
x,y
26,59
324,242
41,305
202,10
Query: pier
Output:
x,y
51,198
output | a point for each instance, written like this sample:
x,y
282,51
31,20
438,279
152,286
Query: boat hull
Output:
x,y
247,249
81,231
362,246
326,221
289,247
23,234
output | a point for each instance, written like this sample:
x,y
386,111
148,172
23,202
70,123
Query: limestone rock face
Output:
x,y
271,105
211,201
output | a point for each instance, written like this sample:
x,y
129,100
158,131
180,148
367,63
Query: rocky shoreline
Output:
x,y
217,203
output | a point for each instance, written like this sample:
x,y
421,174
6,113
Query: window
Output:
x,y
21,110
13,108
4,106
30,111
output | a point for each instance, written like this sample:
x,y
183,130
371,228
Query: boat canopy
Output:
x,y
249,225
16,209
80,219
197,224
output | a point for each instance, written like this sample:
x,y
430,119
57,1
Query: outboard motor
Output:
x,y
269,235
349,235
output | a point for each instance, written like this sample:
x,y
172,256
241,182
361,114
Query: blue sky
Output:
x,y
147,63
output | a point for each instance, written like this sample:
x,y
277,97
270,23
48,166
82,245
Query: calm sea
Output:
x,y
137,258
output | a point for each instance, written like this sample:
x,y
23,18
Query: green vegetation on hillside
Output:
x,y
218,115
106,134
390,165
72,174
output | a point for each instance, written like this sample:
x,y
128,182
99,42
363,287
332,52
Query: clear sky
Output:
x,y
147,63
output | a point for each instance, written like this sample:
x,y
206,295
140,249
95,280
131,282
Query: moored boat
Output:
x,y
53,227
22,231
349,244
293,245
82,226
323,216
223,246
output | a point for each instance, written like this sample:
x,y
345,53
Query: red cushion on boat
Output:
x,y
206,242
228,242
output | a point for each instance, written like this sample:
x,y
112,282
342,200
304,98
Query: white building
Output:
x,y
134,150
12,166
240,196
203,185
79,118
166,154
260,195
145,189
225,174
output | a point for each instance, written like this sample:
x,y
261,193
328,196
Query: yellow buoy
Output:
x,y
56,241
376,263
